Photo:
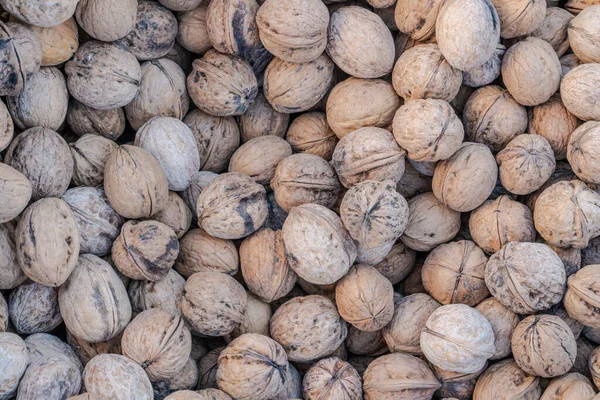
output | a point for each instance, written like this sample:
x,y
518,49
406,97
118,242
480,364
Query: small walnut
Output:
x,y
106,20
185,381
90,153
416,18
365,343
567,63
503,321
581,149
84,120
332,378
207,368
310,133
259,157
15,194
33,308
581,299
192,30
578,91
45,13
569,386
198,251
165,294
13,364
554,29
176,215
3,315
116,377
519,17
584,35
256,319
200,180
397,263
7,127
180,5
261,119
486,73
85,351
19,60
507,378
374,255
11,274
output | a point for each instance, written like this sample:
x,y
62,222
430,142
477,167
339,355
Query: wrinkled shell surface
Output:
x,y
106,20
11,274
487,72
198,251
397,263
261,119
579,91
165,294
14,363
584,35
554,29
232,26
569,386
519,17
85,120
581,146
33,308
259,157
581,300
256,319
332,378
20,59
51,378
59,42
16,192
41,346
417,18
85,351
116,377
192,31
310,133
503,321
176,215
505,381
7,127
44,13
90,153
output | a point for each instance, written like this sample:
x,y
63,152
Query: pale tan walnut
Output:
x,y
581,150
467,32
20,58
457,338
93,301
259,157
15,194
291,88
318,247
213,303
176,215
368,153
43,13
493,117
506,381
365,343
544,345
256,319
397,263
498,222
525,164
417,18
554,122
159,342
526,277
221,84
430,223
232,27
261,119
11,275
308,328
456,384
519,17
594,366
13,364
90,153
293,31
581,299
265,266
198,251
570,386
43,156
503,321
207,369
232,206
33,308
554,29
531,71
85,351
428,130
165,294
99,225
310,133
374,213
106,20
399,376
403,333
579,91
59,42
135,183
217,139
360,43
84,120
563,172
578,220
434,79
486,73
584,35
332,378
192,30
113,376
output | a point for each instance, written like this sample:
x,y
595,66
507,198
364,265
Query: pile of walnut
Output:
x,y
300,199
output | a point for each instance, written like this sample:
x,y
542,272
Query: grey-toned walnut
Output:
x,y
198,251
584,35
192,30
519,17
44,13
106,20
165,294
116,377
200,180
374,255
262,119
397,263
185,380
7,127
582,145
332,378
503,321
456,384
11,274
85,351
15,194
581,299
504,381
554,29
42,346
310,133
207,369
13,363
181,56
176,215
85,120
50,378
486,73
33,308
567,63
579,91
365,343
90,153
259,157
3,314
21,57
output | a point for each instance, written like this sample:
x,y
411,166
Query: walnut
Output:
x,y
44,13
85,120
192,30
580,299
578,91
332,378
20,59
16,192
262,119
90,153
507,378
310,133
259,157
116,377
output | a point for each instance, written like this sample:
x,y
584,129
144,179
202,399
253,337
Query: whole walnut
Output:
x,y
42,346
176,215
11,274
85,351
368,153
397,376
578,91
106,20
43,13
584,35
33,308
116,377
19,60
467,43
505,381
554,29
308,328
50,378
47,242
99,225
42,102
221,84
428,130
581,146
259,157
493,117
434,79
356,103
457,338
317,246
145,250
93,292
15,194
162,93
397,263
213,303
360,43
430,223
466,179
192,31
207,369
232,26
173,144
135,183
374,213
332,378
85,120
43,156
13,364
58,42
293,31
310,133
498,222
578,219
487,72
255,320
570,386
185,381
198,251
365,343
581,299
90,153
165,294
519,18
544,345
526,277
261,119
416,18
531,71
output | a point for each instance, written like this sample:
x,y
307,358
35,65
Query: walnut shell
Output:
x,y
50,378
293,385
567,63
465,180
20,59
93,293
116,377
332,378
184,381
261,119
584,35
308,328
222,84
165,294
318,247
397,376
176,215
43,346
554,29
192,29
11,274
200,180
360,43
232,26
33,308
85,120
213,303
503,321
570,386
207,369
198,251
106,20
505,381
135,183
374,255
593,366
293,31
44,13
15,194
578,91
6,127
397,263
3,315
518,17
277,215
498,222
493,117
180,5
428,130
416,18
310,133
90,153
14,363
486,73
544,345
43,156
457,338
85,351
581,146
365,343
581,300
256,319
531,71
526,277
259,157
356,103
456,384
435,78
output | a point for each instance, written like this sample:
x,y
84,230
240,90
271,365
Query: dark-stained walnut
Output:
x,y
365,343
456,384
21,58
33,308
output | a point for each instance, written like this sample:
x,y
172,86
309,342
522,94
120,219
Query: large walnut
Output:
x,y
232,26
506,381
332,378
198,251
58,42
15,194
310,133
570,386
50,378
116,377
44,13
106,20
581,149
85,120
503,321
581,299
20,58
579,92
584,35
259,157
519,17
